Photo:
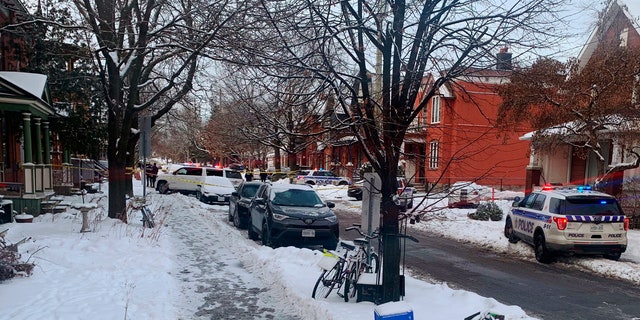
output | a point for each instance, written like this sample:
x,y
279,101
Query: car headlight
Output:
x,y
279,217
331,218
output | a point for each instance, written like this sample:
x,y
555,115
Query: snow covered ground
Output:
x,y
196,265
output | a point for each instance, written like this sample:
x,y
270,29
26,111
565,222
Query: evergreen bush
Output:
x,y
487,211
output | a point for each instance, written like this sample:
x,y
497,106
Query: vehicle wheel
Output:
x,y
359,198
199,196
310,183
326,282
266,236
540,246
236,219
343,183
508,231
613,256
163,187
252,234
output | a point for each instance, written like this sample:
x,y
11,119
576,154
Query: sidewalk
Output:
x,y
211,272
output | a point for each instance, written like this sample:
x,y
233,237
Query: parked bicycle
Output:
x,y
333,266
365,260
147,216
341,272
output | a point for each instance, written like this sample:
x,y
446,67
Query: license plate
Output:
x,y
597,228
308,233
221,199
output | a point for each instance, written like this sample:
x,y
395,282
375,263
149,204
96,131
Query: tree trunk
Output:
x,y
117,190
390,251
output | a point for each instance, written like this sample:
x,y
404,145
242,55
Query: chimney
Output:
x,y
503,59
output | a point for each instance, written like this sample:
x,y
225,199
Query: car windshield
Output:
x,y
248,191
296,197
591,206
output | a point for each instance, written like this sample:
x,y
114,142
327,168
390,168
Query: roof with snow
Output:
x,y
24,92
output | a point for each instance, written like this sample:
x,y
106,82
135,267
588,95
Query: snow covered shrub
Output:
x,y
487,211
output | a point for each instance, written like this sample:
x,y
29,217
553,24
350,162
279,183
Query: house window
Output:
x,y
624,38
433,154
435,109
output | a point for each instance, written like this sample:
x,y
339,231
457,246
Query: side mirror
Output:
x,y
330,204
516,202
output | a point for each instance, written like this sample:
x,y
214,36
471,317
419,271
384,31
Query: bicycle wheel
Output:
x,y
350,282
327,281
374,263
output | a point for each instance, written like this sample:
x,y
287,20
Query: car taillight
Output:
x,y
626,223
561,223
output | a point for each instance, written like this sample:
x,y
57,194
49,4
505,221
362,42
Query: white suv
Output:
x,y
188,179
573,220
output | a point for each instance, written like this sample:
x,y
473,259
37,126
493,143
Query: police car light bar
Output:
x,y
579,188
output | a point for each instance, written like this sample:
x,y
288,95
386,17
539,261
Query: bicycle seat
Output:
x,y
361,241
347,246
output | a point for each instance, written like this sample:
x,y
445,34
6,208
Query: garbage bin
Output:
x,y
398,310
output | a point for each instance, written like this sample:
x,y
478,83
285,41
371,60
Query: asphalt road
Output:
x,y
544,291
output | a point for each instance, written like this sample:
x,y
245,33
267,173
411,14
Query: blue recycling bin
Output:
x,y
399,310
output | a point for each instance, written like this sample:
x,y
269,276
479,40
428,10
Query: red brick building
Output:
x,y
463,142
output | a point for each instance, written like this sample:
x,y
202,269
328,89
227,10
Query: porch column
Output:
x,y
27,165
27,137
38,149
66,168
533,172
48,170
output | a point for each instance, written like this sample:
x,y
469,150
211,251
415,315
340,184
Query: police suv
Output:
x,y
574,220
320,177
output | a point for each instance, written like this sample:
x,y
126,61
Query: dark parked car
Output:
x,y
240,201
289,214
355,190
405,192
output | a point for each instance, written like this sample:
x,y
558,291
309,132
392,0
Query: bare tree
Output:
x,y
374,55
147,53
581,104
277,110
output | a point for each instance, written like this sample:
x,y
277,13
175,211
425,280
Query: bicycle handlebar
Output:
x,y
357,228
375,234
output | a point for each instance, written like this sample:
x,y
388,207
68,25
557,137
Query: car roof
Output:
x,y
285,186
576,193
218,181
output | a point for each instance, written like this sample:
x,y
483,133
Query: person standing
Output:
x,y
154,175
263,176
147,173
248,175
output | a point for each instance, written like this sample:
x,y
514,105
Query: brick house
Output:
x,y
463,142
619,24
454,139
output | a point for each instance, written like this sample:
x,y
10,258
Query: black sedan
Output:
x,y
240,201
289,214
355,190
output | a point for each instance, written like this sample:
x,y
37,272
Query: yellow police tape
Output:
x,y
131,170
